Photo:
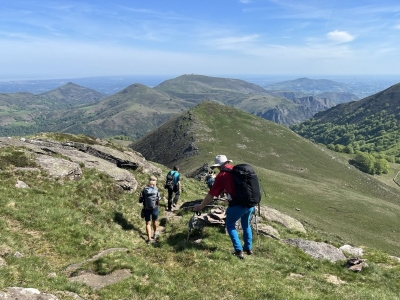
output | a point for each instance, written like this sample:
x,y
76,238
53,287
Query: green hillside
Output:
x,y
61,226
368,125
24,113
330,194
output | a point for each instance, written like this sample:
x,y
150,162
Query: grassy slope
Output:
x,y
56,223
331,195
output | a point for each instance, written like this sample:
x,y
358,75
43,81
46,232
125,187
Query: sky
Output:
x,y
74,39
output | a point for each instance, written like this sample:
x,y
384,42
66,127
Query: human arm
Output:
x,y
207,199
141,197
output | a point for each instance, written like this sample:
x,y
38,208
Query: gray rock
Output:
x,y
21,185
97,281
395,258
272,215
59,167
18,293
352,250
268,231
18,254
317,250
3,262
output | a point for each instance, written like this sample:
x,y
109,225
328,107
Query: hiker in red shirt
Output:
x,y
224,183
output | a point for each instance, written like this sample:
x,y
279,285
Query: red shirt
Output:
x,y
223,182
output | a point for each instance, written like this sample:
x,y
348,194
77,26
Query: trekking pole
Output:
x,y
265,194
191,223
258,235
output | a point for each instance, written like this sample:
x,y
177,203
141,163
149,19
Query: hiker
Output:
x,y
173,185
224,182
210,178
150,198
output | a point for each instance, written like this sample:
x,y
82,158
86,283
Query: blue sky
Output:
x,y
67,39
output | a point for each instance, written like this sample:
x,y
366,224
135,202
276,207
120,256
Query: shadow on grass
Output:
x,y
190,240
120,220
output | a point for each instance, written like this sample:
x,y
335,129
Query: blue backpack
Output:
x,y
151,197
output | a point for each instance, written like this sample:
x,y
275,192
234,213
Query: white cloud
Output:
x,y
340,36
397,27
245,1
235,42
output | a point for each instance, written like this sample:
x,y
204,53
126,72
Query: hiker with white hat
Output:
x,y
224,183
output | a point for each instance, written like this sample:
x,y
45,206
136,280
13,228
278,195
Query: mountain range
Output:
x,y
313,86
138,109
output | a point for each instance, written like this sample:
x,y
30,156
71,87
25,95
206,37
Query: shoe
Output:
x,y
148,242
155,235
249,252
239,254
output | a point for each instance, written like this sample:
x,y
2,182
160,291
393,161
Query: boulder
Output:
x,y
317,250
267,230
272,215
352,250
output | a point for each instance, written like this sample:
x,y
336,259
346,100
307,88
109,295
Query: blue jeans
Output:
x,y
234,213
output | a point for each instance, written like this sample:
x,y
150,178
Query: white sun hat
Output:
x,y
219,160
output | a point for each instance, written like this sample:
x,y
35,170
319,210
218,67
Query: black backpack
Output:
x,y
151,197
169,182
247,187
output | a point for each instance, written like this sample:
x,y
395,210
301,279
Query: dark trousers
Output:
x,y
176,197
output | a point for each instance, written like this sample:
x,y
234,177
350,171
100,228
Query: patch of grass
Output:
x,y
11,157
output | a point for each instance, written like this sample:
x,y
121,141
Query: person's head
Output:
x,y
152,180
220,161
176,168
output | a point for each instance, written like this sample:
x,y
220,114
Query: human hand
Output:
x,y
197,207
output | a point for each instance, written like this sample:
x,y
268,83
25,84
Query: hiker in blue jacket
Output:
x,y
173,187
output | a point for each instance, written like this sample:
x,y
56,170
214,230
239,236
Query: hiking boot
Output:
x,y
249,252
148,242
239,254
155,235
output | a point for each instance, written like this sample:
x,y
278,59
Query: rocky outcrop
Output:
x,y
65,160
